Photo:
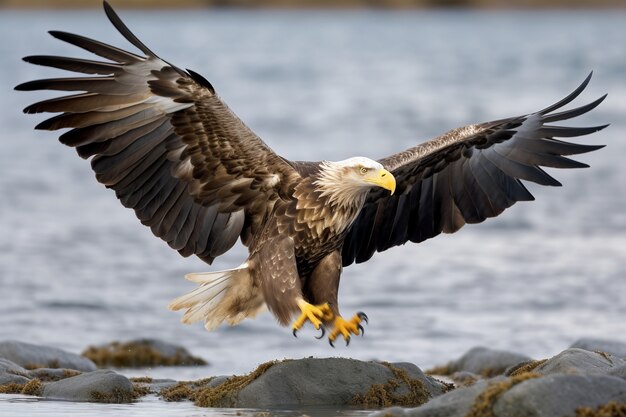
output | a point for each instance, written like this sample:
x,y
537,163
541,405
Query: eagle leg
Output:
x,y
345,327
316,314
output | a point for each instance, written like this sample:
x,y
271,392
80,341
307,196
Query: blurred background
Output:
x,y
404,4
333,80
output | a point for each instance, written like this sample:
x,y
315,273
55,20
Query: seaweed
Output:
x,y
605,355
217,396
179,392
611,409
116,396
385,395
44,375
524,367
53,364
483,405
443,370
142,379
138,354
140,390
221,395
32,387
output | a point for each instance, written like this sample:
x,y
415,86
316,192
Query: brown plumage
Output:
x,y
200,179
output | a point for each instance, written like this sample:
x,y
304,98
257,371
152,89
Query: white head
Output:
x,y
351,179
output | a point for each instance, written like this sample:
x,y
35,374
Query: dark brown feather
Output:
x,y
167,145
467,175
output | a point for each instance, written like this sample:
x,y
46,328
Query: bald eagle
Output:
x,y
201,180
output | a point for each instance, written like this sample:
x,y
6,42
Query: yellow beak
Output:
x,y
384,179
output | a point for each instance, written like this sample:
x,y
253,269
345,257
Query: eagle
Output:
x,y
193,172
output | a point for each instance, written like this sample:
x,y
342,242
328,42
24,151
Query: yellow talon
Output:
x,y
345,327
313,313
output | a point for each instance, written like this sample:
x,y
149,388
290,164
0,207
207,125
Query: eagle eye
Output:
x,y
363,170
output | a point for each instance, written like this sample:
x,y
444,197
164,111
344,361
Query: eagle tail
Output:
x,y
218,298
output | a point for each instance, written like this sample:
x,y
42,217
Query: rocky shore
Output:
x,y
588,379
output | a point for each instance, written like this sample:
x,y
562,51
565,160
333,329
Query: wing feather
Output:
x,y
466,176
164,141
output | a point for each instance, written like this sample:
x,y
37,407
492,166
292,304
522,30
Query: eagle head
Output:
x,y
352,178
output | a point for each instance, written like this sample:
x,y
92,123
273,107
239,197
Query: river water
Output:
x,y
76,268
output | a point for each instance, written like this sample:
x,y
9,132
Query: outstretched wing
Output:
x,y
164,141
465,176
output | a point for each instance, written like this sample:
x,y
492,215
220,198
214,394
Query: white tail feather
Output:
x,y
222,296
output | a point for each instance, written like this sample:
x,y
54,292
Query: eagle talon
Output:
x,y
346,328
323,333
361,315
313,313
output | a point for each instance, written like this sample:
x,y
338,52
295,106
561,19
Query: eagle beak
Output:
x,y
386,180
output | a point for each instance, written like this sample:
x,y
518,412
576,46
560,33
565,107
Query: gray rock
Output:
x,y
619,371
329,381
578,361
158,385
559,395
97,386
455,403
6,378
218,380
485,361
30,356
464,378
614,347
7,366
12,373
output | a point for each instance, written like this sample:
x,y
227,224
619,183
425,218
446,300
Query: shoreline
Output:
x,y
483,380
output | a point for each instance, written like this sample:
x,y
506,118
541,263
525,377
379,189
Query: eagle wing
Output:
x,y
164,141
465,176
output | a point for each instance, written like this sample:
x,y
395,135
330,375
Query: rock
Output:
x,y
482,361
151,385
464,378
313,382
12,373
35,356
7,378
455,403
579,361
559,395
49,374
614,347
7,366
528,395
158,385
98,386
619,371
338,381
141,353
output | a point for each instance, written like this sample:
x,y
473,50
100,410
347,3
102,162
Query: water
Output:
x,y
78,269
